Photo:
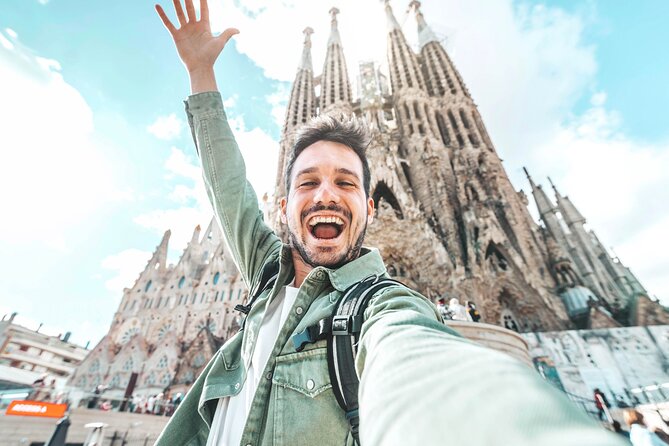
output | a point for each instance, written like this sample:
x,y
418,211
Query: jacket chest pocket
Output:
x,y
304,408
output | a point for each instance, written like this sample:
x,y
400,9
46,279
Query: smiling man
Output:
x,y
276,381
328,206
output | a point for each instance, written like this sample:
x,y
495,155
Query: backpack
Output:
x,y
342,331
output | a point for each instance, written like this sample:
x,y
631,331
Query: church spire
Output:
x,y
305,62
544,204
301,108
567,209
160,254
403,64
335,85
390,18
548,213
425,34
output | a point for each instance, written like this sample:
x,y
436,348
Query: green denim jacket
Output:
x,y
420,382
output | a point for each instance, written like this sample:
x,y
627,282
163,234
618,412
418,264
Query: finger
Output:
x,y
166,21
190,9
204,10
180,12
223,38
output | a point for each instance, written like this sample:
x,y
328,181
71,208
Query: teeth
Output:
x,y
319,219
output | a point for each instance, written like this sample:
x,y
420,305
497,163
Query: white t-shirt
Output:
x,y
231,412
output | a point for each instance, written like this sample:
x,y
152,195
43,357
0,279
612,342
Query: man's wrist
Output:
x,y
202,80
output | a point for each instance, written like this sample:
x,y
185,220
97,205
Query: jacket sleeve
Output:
x,y
422,383
234,201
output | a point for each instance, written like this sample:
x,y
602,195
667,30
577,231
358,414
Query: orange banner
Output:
x,y
36,409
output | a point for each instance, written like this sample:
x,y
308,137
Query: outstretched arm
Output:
x,y
234,201
197,47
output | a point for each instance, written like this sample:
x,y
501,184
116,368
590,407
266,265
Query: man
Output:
x,y
258,389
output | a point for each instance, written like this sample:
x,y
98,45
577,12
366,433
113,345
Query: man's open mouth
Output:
x,y
326,227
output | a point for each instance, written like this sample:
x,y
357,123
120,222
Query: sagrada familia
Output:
x,y
449,223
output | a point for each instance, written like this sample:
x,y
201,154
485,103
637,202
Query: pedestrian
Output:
x,y
472,311
600,403
458,311
270,383
640,435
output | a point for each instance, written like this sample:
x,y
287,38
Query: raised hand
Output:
x,y
197,47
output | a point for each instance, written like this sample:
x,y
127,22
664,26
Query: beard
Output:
x,y
351,253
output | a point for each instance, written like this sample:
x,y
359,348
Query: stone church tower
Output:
x,y
449,223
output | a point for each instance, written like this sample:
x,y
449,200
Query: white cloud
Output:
x,y
49,152
166,127
231,101
279,101
126,266
188,191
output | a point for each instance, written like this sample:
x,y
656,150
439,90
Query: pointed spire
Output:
x,y
544,204
553,186
334,31
335,85
425,33
195,238
391,20
567,208
160,256
305,62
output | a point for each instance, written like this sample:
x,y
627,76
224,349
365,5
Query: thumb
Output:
x,y
223,38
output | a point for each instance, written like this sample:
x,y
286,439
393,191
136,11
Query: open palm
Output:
x,y
197,47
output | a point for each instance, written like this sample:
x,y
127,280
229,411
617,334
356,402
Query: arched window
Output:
x,y
148,286
165,380
383,192
95,366
182,281
217,276
162,363
151,379
128,365
115,382
509,321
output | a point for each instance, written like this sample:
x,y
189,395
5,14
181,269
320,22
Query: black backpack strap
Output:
x,y
346,324
268,277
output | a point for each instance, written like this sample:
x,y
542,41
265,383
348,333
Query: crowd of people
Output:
x,y
458,312
159,404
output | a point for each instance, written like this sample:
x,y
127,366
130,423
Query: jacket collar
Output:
x,y
368,263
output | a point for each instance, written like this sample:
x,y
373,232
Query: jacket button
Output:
x,y
268,376
299,310
237,386
310,384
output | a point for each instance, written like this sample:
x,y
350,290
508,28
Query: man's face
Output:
x,y
326,210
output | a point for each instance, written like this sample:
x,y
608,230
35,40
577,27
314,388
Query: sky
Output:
x,y
97,161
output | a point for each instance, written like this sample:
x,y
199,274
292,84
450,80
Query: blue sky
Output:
x,y
97,160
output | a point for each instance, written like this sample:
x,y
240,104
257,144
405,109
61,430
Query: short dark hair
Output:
x,y
348,130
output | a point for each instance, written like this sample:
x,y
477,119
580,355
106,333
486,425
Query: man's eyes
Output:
x,y
313,183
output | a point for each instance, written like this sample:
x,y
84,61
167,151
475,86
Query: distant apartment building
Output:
x,y
27,355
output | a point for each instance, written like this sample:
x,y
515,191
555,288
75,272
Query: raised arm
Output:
x,y
234,201
197,47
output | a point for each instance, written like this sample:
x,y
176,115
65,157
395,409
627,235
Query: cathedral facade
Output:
x,y
449,223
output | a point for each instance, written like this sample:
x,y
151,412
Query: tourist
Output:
x,y
472,311
640,435
458,312
600,403
416,373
